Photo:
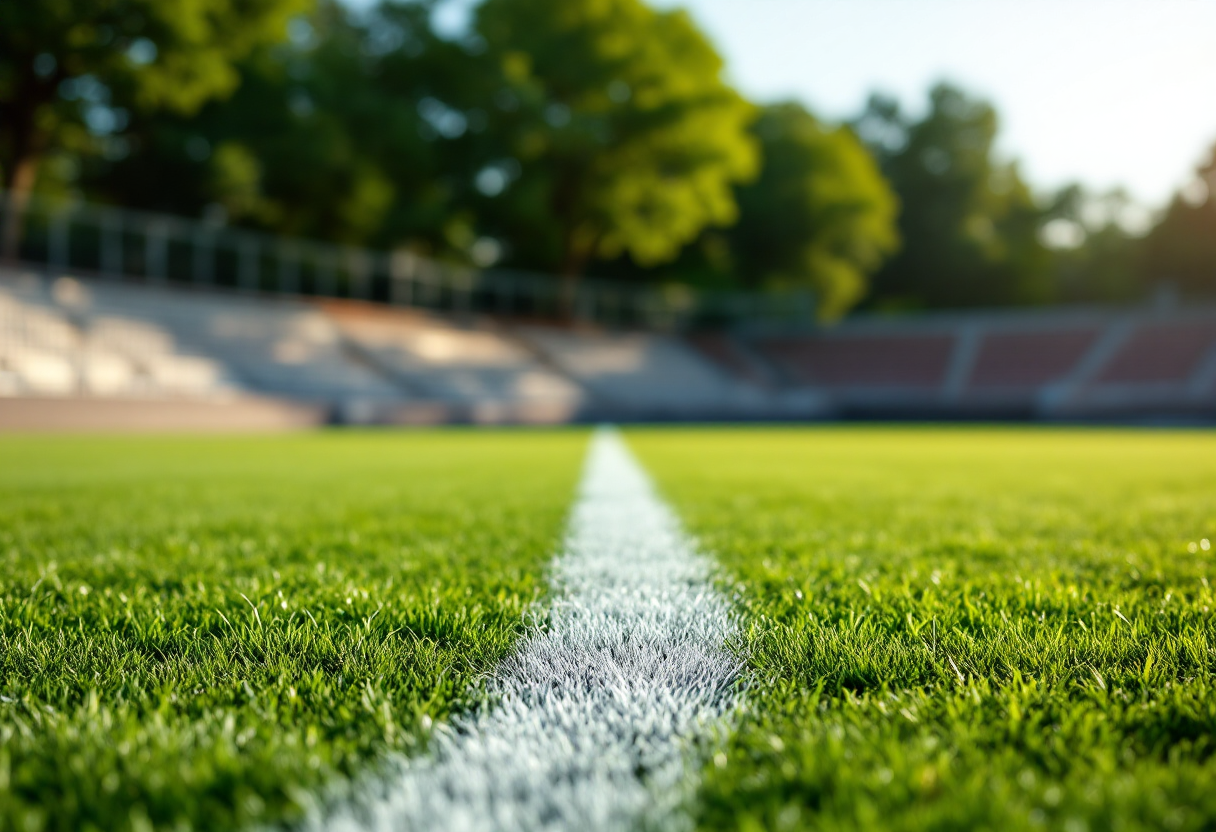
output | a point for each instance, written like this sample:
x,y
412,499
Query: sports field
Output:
x,y
937,628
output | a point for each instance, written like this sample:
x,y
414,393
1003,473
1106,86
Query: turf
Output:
x,y
195,633
960,628
944,628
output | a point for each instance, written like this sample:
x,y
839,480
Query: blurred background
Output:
x,y
274,213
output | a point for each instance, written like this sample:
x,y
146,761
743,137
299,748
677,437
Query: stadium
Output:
x,y
124,319
483,416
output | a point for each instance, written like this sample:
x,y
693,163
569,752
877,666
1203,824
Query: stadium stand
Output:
x,y
1161,352
733,356
648,375
844,359
59,341
1023,360
277,347
1046,364
1156,365
473,366
135,354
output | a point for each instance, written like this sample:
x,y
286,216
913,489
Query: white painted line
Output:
x,y
594,717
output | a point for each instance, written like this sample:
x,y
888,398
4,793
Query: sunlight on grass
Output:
x,y
195,632
961,628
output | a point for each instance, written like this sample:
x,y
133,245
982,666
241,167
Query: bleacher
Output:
x,y
1050,364
1160,353
735,358
646,375
67,341
1023,360
61,339
128,351
847,360
273,347
474,367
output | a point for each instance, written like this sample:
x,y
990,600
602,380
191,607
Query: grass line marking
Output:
x,y
593,715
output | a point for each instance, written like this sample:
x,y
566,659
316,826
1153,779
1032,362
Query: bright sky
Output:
x,y
1105,92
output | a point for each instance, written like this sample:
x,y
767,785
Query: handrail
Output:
x,y
122,243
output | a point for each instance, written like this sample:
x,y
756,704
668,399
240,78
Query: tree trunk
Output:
x,y
19,185
27,141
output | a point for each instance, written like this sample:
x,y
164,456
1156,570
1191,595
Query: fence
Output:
x,y
115,243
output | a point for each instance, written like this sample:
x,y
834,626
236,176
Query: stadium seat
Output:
x,y
644,374
850,360
470,364
1160,352
1028,358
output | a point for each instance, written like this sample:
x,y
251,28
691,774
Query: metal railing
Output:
x,y
116,243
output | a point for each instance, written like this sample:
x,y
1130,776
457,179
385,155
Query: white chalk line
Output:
x,y
596,718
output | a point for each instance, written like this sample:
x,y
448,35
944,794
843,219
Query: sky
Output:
x,y
1104,92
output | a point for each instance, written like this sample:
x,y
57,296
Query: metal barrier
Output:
x,y
116,243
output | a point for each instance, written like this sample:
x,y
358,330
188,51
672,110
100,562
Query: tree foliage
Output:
x,y
68,64
969,222
1181,250
332,135
820,213
626,138
1095,258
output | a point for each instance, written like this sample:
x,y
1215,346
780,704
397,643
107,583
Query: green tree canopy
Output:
x,y
342,133
619,131
820,213
969,223
68,64
1181,249
1094,255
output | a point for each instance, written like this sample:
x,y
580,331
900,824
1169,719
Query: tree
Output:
x,y
70,64
969,223
281,153
1181,249
622,137
1094,254
364,128
820,213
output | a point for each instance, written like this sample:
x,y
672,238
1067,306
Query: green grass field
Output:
x,y
945,628
194,633
961,628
